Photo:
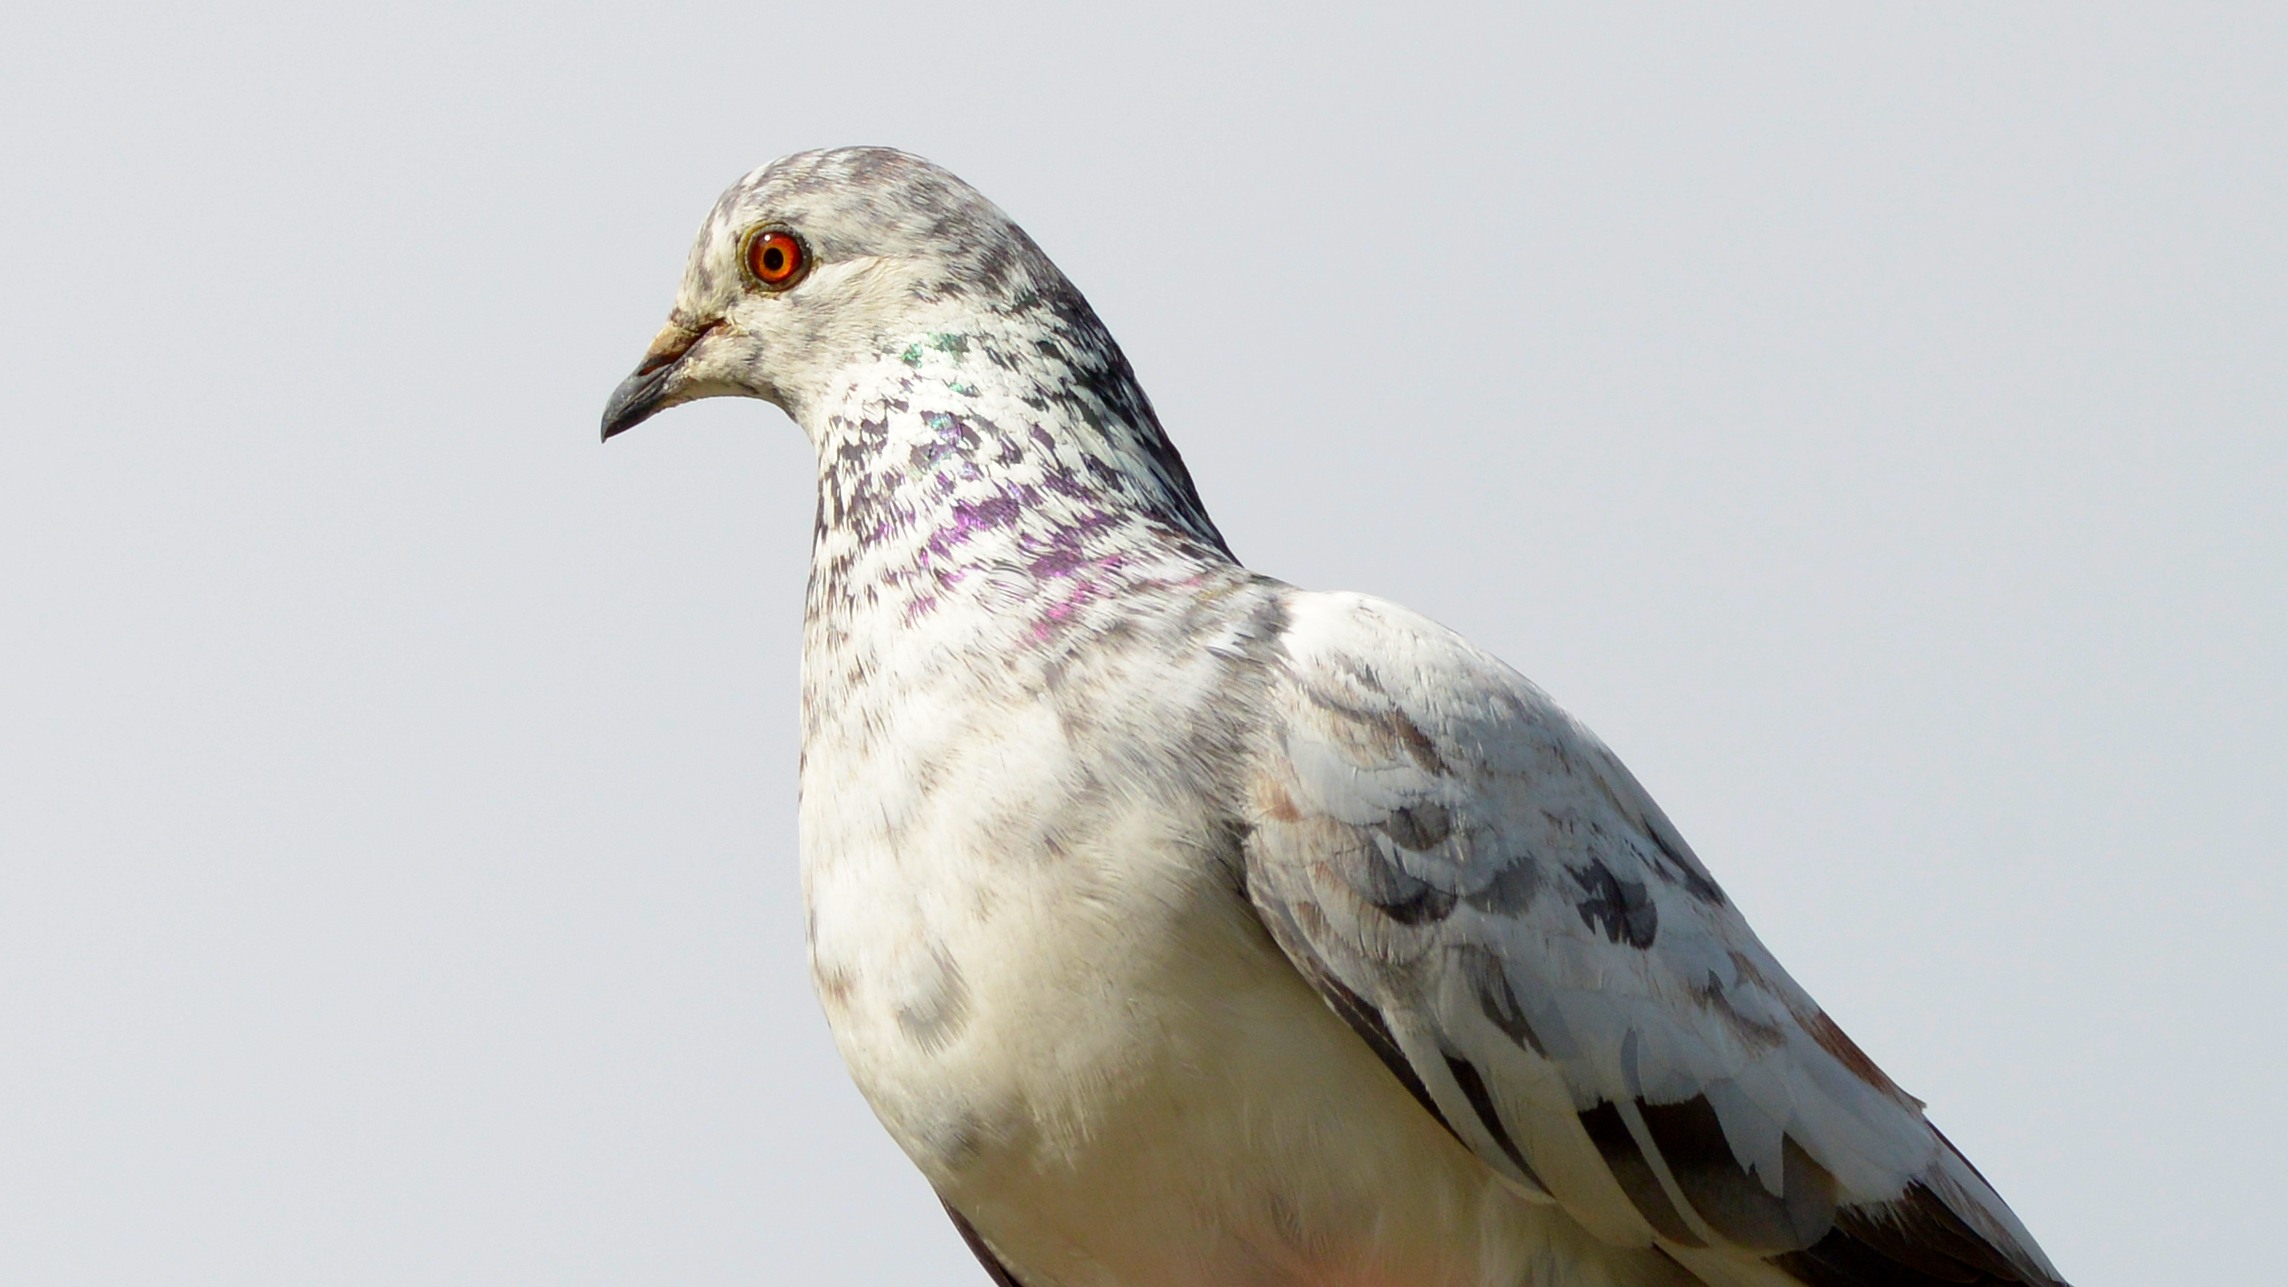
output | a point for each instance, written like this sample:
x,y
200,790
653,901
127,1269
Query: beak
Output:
x,y
652,389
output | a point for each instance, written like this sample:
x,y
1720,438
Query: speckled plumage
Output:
x,y
1186,928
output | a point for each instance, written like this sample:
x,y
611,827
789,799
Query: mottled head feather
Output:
x,y
879,203
910,268
898,248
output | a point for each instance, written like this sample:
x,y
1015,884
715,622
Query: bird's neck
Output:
x,y
1018,465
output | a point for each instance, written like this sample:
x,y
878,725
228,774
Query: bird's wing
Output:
x,y
1476,884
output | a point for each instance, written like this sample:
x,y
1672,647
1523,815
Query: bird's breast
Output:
x,y
1030,938
989,907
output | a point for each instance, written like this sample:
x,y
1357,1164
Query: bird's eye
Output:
x,y
775,258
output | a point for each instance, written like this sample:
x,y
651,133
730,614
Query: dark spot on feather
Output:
x,y
1392,891
1419,826
1489,979
1482,1103
1686,871
939,1008
973,517
1417,743
1618,907
1727,1195
834,985
957,1138
1610,1133
1511,890
1755,1033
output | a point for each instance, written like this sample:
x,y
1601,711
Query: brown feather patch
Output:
x,y
1834,1041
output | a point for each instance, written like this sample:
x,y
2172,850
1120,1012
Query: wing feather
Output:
x,y
1492,901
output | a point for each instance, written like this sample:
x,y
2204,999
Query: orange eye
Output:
x,y
775,258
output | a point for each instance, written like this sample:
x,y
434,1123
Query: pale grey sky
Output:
x,y
1873,421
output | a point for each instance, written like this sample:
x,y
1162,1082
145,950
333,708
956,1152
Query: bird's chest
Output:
x,y
994,903
1013,834
1030,941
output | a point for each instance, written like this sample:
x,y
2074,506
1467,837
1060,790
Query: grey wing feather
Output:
x,y
1481,889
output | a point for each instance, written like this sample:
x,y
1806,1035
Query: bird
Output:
x,y
1187,928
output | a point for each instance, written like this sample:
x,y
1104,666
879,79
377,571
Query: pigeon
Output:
x,y
1190,929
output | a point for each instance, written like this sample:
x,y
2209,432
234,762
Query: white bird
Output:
x,y
1188,929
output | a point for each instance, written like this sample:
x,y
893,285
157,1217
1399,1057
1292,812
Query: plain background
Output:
x,y
1872,422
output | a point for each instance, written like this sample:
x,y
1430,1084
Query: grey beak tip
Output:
x,y
634,402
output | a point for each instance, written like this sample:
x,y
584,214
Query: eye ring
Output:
x,y
774,258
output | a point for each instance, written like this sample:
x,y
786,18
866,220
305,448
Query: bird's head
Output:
x,y
820,261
